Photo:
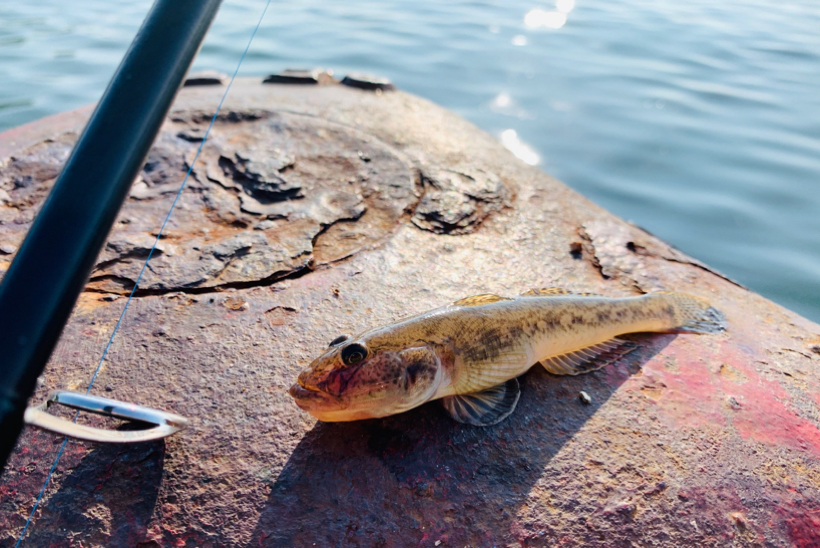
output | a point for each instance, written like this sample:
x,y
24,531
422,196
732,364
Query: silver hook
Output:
x,y
165,423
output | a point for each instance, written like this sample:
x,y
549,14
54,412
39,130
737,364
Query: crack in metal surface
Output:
x,y
589,247
141,254
326,227
702,267
641,250
264,282
128,283
386,203
634,248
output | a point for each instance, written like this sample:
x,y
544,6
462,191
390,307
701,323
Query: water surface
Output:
x,y
699,121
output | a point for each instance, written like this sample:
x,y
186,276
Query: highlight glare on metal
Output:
x,y
165,424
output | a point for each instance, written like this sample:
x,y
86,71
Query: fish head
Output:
x,y
357,378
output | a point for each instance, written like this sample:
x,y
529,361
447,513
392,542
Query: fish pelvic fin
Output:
x,y
477,300
693,314
484,408
589,358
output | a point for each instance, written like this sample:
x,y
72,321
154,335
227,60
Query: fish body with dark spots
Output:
x,y
469,353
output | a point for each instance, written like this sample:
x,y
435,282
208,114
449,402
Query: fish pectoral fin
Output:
x,y
547,291
484,408
589,358
476,300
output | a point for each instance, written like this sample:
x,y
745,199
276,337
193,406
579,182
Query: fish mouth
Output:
x,y
300,393
313,399
321,405
326,407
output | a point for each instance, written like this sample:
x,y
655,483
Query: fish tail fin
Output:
x,y
694,314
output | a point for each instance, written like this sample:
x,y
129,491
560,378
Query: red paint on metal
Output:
x,y
704,389
768,419
679,381
802,525
765,413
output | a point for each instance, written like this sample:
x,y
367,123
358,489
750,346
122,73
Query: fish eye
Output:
x,y
338,340
354,353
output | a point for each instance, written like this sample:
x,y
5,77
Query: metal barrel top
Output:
x,y
320,209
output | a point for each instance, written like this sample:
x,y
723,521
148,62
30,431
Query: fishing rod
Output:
x,y
53,263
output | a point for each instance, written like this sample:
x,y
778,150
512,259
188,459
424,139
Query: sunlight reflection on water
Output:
x,y
538,18
522,151
547,19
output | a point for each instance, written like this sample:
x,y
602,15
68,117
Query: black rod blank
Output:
x,y
55,260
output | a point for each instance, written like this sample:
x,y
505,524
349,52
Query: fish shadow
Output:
x,y
419,477
107,499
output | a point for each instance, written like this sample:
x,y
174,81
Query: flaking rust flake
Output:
x,y
457,201
259,207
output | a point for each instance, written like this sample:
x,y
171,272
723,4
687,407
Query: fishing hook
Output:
x,y
164,424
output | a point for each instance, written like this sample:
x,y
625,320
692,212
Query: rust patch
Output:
x,y
280,315
802,524
653,392
618,250
236,303
731,373
26,178
272,195
456,201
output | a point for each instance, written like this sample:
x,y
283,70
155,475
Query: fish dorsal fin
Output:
x,y
589,358
476,300
547,291
484,408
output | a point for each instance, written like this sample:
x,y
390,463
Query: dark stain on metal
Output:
x,y
120,513
301,76
368,82
205,78
576,250
194,134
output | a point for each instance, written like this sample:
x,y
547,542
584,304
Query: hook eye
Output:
x,y
164,423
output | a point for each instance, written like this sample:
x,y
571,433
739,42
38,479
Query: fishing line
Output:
x,y
145,265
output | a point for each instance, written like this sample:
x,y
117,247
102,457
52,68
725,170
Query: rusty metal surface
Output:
x,y
320,210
